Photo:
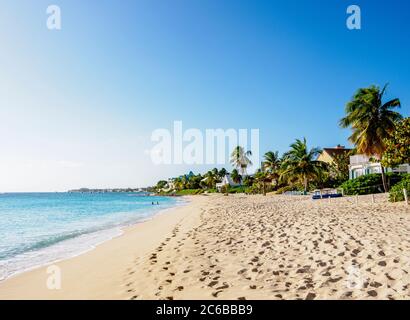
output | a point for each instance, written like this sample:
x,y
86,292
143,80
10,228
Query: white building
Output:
x,y
171,184
361,165
227,180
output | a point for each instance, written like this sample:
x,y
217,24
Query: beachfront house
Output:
x,y
361,165
227,180
329,155
170,184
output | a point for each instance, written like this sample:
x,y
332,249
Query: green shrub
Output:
x,y
239,189
396,192
224,189
253,189
187,192
370,183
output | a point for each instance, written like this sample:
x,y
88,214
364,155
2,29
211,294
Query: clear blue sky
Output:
x,y
77,106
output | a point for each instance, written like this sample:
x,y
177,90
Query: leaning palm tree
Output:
x,y
300,164
271,164
240,159
371,122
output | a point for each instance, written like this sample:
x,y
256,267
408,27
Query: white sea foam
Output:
x,y
56,252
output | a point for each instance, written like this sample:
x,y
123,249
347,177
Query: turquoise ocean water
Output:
x,y
39,228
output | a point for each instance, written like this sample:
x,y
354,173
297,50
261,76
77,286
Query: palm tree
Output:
x,y
236,177
210,179
184,181
371,122
179,185
261,178
300,164
271,164
240,159
222,173
248,181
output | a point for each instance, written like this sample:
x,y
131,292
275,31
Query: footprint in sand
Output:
x,y
224,286
212,283
372,293
215,294
242,271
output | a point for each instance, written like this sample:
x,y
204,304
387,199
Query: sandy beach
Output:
x,y
244,247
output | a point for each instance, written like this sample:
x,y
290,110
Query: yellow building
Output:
x,y
328,154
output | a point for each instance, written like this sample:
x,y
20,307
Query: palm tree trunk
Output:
x,y
385,187
305,183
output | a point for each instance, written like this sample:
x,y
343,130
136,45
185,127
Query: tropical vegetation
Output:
x,y
398,145
397,191
300,165
378,131
370,183
372,121
240,159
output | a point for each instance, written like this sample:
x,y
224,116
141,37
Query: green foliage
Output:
x,y
225,188
300,165
253,189
368,184
248,181
194,182
371,119
236,177
222,173
161,184
262,179
396,192
188,192
239,189
210,179
398,145
339,169
228,189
